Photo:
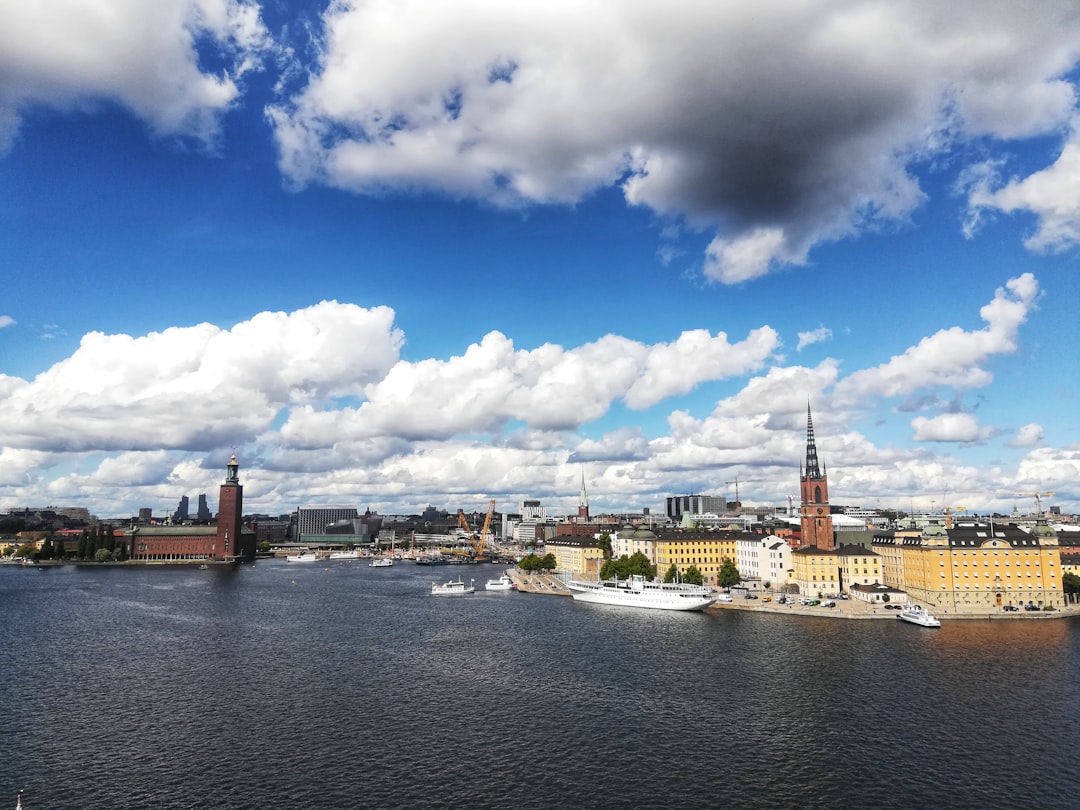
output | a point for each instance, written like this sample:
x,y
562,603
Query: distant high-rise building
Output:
x,y
204,510
145,514
181,513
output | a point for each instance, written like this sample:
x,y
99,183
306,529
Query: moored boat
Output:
x,y
637,592
452,588
919,616
303,557
345,555
503,583
381,562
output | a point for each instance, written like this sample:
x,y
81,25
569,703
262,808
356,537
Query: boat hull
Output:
x,y
649,595
922,618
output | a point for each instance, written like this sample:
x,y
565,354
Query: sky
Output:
x,y
393,254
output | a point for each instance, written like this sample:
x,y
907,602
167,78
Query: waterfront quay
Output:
x,y
553,585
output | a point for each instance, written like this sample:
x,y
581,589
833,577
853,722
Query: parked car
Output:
x,y
828,603
766,598
843,596
750,596
892,607
1010,608
1030,606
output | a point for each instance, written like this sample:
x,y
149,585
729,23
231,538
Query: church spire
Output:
x,y
812,468
583,502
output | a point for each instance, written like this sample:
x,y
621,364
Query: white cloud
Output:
x,y
688,108
6,320
1027,436
812,337
198,387
1051,195
950,357
72,53
950,427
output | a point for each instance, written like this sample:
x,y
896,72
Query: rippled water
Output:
x,y
339,686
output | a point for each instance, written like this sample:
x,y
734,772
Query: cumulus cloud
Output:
x,y
1051,195
951,357
6,320
1029,435
690,109
812,337
950,427
144,56
198,387
548,388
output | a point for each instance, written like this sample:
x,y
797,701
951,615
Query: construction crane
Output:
x,y
1038,496
738,503
478,542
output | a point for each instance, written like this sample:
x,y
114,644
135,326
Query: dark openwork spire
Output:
x,y
812,468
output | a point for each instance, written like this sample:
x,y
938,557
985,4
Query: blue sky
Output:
x,y
411,253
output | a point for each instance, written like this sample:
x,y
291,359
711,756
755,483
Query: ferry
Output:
x,y
503,583
919,616
345,555
381,562
637,592
452,588
307,556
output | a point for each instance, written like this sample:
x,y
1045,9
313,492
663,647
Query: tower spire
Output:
x,y
812,468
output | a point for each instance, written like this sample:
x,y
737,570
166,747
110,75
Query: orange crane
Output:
x,y
478,542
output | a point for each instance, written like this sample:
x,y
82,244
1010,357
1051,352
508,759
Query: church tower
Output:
x,y
817,526
228,544
583,502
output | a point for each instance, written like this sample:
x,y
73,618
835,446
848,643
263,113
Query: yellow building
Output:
x,y
704,550
575,556
816,571
977,567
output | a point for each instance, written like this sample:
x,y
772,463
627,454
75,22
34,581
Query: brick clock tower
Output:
x,y
817,527
229,544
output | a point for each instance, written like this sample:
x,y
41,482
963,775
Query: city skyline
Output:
x,y
409,254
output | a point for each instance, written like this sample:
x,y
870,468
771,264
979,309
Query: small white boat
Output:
x,y
919,616
452,588
381,562
503,583
345,555
307,556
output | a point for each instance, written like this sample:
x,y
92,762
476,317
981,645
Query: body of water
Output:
x,y
335,685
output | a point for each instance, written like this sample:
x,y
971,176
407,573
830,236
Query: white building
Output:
x,y
630,540
767,559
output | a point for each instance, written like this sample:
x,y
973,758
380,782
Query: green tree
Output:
x,y
61,552
530,564
1070,583
729,574
604,542
264,546
103,555
671,574
47,550
547,563
693,576
84,543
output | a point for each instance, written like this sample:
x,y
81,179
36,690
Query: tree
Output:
x,y
671,574
530,564
84,544
1070,583
103,555
693,576
548,562
604,542
729,574
625,567
47,550
61,552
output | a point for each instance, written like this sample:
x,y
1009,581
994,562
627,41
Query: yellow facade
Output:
x,y
817,572
704,550
575,557
979,571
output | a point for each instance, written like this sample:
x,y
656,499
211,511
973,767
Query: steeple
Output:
x,y
583,502
812,468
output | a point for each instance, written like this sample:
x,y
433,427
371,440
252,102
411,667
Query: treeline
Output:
x,y
97,544
532,564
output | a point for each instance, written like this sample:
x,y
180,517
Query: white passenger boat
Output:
x,y
307,556
345,555
637,592
920,616
381,562
452,588
503,583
